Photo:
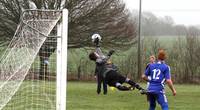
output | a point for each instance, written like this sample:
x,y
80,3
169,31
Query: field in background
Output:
x,y
165,42
76,57
82,96
80,65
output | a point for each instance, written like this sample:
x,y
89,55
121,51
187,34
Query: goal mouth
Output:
x,y
31,33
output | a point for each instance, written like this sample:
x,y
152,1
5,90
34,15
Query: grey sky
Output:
x,y
185,12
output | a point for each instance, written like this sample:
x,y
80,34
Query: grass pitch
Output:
x,y
82,96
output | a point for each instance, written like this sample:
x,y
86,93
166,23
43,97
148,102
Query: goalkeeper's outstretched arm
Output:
x,y
101,58
97,45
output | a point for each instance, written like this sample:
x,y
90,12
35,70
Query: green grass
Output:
x,y
82,96
34,95
166,42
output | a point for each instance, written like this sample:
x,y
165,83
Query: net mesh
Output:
x,y
32,93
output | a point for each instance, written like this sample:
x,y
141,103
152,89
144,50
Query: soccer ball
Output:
x,y
94,36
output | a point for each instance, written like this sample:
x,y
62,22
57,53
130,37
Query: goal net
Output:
x,y
28,68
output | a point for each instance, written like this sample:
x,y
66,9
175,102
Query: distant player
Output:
x,y
108,71
152,59
158,73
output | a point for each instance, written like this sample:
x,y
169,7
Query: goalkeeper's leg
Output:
x,y
99,80
104,87
123,79
115,79
132,83
121,87
136,85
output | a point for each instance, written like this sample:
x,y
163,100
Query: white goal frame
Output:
x,y
62,44
61,60
21,58
61,69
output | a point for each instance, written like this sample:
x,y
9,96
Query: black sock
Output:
x,y
123,88
134,84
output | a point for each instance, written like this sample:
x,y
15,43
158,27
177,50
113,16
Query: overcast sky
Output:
x,y
185,12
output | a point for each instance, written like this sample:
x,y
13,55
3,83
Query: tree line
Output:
x,y
183,53
109,18
162,26
118,27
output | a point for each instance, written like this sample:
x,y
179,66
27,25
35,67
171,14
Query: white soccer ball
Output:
x,y
94,36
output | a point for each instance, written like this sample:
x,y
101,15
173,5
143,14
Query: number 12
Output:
x,y
156,73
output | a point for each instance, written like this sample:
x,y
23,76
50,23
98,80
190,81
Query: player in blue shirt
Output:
x,y
157,74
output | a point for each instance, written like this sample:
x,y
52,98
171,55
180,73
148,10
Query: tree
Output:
x,y
180,30
109,18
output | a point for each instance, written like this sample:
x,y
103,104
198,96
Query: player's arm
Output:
x,y
145,78
99,52
103,60
107,57
96,41
169,81
171,86
146,74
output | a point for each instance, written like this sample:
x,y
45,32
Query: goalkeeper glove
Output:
x,y
110,52
96,41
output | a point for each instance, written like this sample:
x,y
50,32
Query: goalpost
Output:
x,y
62,60
33,69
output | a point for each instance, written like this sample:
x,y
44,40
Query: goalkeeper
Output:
x,y
108,72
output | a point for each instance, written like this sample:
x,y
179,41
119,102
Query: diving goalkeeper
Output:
x,y
110,74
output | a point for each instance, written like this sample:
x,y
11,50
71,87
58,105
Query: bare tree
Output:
x,y
109,18
106,17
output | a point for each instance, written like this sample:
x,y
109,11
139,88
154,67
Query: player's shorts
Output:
x,y
113,77
160,98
